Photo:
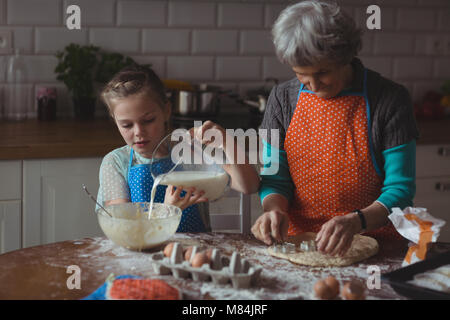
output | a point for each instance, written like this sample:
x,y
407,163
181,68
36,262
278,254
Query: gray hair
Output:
x,y
311,31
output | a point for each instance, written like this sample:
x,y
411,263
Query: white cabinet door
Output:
x,y
10,180
433,183
10,226
432,161
434,194
55,206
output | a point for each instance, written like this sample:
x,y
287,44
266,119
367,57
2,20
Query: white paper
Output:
x,y
410,229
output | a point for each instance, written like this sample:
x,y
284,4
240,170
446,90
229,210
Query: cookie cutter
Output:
x,y
287,247
222,269
308,246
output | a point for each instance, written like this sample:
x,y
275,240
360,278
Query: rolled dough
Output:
x,y
362,248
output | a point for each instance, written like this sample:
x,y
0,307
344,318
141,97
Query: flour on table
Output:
x,y
290,281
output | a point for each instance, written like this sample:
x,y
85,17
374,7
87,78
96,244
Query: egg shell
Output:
x,y
188,253
168,249
199,259
333,284
322,290
209,252
353,290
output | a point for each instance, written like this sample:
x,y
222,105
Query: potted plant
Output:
x,y
109,64
76,68
82,68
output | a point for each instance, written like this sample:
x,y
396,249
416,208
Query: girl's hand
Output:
x,y
336,235
173,197
200,133
272,225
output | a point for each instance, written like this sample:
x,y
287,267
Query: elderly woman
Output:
x,y
347,149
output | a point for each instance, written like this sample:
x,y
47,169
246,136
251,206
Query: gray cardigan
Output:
x,y
391,112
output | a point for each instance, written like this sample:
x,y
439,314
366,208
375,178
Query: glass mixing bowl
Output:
x,y
131,227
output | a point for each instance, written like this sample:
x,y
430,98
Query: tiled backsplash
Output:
x,y
224,42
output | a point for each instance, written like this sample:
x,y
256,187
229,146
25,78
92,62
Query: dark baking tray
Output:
x,y
397,279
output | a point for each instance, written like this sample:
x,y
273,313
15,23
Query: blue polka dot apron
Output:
x,y
140,182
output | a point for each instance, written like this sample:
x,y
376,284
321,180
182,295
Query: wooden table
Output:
x,y
41,272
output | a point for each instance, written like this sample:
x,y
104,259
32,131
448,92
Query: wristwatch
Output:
x,y
363,220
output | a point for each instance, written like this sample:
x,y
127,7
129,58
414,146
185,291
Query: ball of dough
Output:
x,y
168,249
353,290
199,259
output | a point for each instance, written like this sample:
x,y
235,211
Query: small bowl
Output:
x,y
130,226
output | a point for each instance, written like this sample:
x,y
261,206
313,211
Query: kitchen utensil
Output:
x,y
398,279
184,102
95,200
308,246
201,100
287,247
130,227
257,98
188,164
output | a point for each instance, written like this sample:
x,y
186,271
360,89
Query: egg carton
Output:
x,y
222,269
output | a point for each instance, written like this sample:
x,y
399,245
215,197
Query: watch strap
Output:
x,y
362,219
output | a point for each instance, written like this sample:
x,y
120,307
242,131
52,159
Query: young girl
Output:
x,y
137,102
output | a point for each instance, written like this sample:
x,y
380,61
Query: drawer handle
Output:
x,y
443,151
443,186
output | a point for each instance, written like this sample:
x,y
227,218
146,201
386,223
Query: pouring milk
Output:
x,y
213,183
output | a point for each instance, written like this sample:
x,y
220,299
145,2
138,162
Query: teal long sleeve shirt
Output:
x,y
399,184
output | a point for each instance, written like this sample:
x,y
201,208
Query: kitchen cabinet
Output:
x,y
10,226
55,207
433,183
10,205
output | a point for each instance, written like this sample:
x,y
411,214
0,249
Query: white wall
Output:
x,y
225,42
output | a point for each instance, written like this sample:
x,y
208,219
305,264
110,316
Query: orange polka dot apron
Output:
x,y
331,161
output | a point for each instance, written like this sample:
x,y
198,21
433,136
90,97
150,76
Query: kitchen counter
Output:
x,y
41,272
33,139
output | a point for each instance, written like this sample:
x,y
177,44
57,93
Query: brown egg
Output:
x,y
322,290
209,253
199,260
333,284
353,290
168,249
188,253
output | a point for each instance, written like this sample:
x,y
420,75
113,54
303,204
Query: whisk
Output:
x,y
95,200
